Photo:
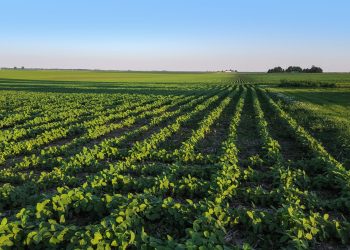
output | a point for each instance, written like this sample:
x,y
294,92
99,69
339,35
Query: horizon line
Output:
x,y
158,71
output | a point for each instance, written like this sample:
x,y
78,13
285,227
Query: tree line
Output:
x,y
295,69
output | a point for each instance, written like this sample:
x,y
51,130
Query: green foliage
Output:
x,y
100,171
306,84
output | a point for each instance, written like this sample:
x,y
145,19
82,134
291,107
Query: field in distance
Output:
x,y
115,76
173,160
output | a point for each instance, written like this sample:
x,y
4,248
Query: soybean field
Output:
x,y
169,163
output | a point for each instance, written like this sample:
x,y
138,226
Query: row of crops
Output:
x,y
177,170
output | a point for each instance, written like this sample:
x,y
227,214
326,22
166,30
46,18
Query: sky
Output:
x,y
245,35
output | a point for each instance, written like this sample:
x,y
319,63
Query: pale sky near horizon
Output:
x,y
250,35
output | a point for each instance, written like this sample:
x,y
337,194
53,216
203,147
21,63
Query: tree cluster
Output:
x,y
295,69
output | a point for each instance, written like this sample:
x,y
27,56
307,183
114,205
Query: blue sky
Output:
x,y
250,35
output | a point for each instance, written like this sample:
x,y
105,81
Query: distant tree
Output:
x,y
313,69
291,69
276,70
22,68
296,69
15,68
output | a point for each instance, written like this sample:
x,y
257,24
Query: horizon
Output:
x,y
156,71
201,36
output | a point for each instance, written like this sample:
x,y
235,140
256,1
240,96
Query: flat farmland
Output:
x,y
131,160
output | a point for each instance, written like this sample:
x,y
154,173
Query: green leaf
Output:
x,y
97,238
314,230
300,234
132,237
108,198
144,235
250,214
119,219
53,240
4,221
189,201
308,236
5,241
62,219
